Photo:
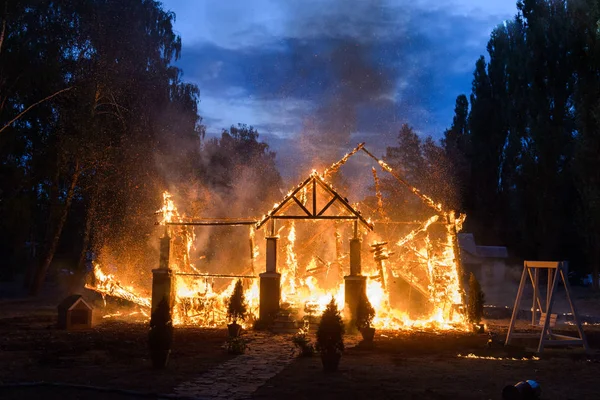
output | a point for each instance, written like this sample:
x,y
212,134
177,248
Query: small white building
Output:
x,y
489,264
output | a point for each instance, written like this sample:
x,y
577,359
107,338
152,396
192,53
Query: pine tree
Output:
x,y
236,308
331,330
476,300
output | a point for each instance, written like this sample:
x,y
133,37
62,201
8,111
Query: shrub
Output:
x,y
236,307
302,342
236,345
364,312
476,300
331,330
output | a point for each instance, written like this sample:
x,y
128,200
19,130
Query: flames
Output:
x,y
475,357
107,284
425,260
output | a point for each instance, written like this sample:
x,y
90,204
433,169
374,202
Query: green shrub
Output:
x,y
302,341
364,312
331,331
236,345
476,300
236,307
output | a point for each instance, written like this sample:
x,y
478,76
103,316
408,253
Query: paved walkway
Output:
x,y
266,356
238,378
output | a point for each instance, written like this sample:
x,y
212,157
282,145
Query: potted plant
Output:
x,y
476,301
160,336
330,333
236,309
364,318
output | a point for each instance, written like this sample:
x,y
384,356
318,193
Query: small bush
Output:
x,y
364,312
236,307
476,300
302,342
236,345
331,331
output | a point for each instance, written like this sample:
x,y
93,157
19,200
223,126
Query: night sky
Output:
x,y
325,75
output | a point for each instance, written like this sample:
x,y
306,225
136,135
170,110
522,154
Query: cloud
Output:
x,y
323,75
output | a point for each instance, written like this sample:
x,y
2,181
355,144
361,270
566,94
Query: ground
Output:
x,y
404,365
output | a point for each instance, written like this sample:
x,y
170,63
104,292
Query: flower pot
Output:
x,y
160,358
368,334
234,329
330,361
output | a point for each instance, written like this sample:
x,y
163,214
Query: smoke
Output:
x,y
354,79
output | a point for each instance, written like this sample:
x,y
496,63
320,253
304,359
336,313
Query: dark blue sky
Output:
x,y
319,76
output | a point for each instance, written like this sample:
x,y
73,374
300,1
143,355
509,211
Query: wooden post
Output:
x,y
536,278
574,311
549,302
513,319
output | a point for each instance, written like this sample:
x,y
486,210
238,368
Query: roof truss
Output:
x,y
314,186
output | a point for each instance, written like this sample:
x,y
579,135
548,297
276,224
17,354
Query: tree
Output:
x,y
476,300
424,165
236,307
586,61
98,148
456,148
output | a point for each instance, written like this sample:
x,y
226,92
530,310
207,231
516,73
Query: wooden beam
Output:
x,y
574,310
513,318
542,264
328,205
546,330
548,342
333,217
301,206
213,223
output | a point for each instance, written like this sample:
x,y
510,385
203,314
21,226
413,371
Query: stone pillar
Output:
x,y
271,254
355,257
270,292
355,284
270,283
162,278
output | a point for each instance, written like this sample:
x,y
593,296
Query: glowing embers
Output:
x,y
472,356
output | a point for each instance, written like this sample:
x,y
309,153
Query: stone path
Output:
x,y
266,356
238,378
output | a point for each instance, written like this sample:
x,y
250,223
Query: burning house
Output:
x,y
317,245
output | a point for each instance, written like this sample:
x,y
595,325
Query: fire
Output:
x,y
424,261
107,284
474,357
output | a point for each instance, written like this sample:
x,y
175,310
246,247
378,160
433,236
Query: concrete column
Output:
x,y
162,287
270,283
165,251
162,278
270,293
355,257
272,254
354,284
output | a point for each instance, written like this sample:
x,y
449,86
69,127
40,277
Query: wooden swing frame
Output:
x,y
557,270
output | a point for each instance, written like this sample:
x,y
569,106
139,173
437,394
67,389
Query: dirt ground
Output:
x,y
113,354
427,366
403,365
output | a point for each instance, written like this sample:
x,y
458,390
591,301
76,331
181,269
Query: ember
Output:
x,y
413,285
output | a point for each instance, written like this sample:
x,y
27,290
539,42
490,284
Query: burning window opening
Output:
x,y
412,279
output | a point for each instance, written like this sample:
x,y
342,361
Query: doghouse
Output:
x,y
74,313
